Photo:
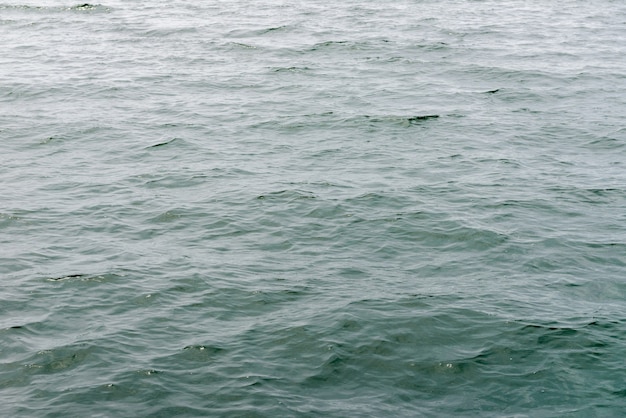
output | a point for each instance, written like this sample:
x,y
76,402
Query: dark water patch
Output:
x,y
432,46
176,141
83,7
400,120
68,277
588,195
287,195
335,120
246,33
277,28
240,45
148,372
293,69
327,44
52,139
85,278
555,337
352,47
418,119
29,327
607,143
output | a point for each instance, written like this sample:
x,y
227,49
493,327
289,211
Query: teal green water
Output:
x,y
313,209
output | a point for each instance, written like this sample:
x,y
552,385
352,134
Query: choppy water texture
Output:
x,y
313,208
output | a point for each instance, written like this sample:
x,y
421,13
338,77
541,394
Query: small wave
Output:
x,y
164,143
290,69
78,7
241,33
84,6
287,195
400,121
83,277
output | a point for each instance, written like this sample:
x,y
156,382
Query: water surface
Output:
x,y
313,209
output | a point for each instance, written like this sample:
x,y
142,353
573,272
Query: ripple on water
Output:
x,y
312,209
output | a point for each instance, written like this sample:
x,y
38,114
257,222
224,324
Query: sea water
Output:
x,y
313,208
